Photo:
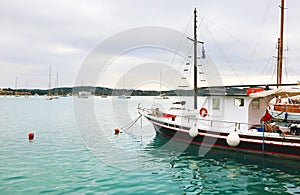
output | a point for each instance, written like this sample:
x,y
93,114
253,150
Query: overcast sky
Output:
x,y
240,37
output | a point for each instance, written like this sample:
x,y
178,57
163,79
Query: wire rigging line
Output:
x,y
175,76
287,43
223,54
273,71
258,37
269,65
179,45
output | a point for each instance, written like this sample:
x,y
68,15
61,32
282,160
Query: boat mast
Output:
x,y
195,60
56,84
195,41
16,83
280,46
49,92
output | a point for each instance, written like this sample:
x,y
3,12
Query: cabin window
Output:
x,y
255,104
216,104
239,102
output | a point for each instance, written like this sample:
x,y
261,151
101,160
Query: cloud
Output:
x,y
240,36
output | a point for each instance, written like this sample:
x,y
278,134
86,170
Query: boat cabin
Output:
x,y
234,109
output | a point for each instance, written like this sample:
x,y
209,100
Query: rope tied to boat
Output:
x,y
127,127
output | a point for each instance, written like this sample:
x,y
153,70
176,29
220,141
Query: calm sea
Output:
x,y
75,151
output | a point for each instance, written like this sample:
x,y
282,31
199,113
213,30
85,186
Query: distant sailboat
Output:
x,y
103,93
56,96
49,96
16,93
123,96
84,93
27,93
103,96
161,96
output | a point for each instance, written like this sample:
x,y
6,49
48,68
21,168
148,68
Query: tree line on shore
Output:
x,y
98,91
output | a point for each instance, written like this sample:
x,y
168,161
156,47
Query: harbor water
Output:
x,y
75,151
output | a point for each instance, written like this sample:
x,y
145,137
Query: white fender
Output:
x,y
233,139
193,132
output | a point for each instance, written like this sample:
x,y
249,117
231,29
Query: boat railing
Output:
x,y
242,127
222,124
153,112
218,124
185,121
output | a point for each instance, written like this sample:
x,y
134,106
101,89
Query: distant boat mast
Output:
x,y
280,46
16,83
49,92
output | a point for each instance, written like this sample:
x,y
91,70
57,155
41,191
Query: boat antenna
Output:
x,y
195,58
280,46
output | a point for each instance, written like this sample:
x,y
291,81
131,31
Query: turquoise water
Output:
x,y
75,151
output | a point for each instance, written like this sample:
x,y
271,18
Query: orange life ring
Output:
x,y
203,112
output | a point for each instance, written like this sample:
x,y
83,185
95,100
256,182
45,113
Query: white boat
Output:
x,y
161,97
124,97
48,97
231,121
287,105
84,94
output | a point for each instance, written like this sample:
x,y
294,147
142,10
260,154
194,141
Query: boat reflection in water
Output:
x,y
180,149
220,171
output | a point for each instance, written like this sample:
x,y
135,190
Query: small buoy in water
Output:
x,y
30,136
193,132
233,139
117,130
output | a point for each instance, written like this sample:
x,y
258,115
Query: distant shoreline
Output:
x,y
98,91
102,91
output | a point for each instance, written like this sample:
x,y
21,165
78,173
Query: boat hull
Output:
x,y
279,146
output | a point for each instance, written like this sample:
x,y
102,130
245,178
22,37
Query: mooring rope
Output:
x,y
130,125
133,122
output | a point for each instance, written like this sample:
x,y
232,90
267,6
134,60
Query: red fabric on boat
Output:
x,y
165,115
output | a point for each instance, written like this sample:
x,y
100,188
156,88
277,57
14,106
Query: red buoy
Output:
x,y
30,136
117,130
